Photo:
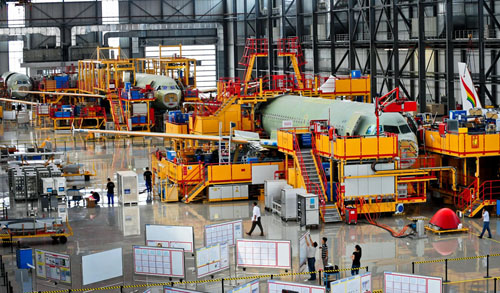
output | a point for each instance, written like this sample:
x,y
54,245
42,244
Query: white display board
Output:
x,y
159,261
223,233
279,286
167,289
407,283
264,253
263,173
53,266
212,259
250,287
102,266
170,236
368,186
356,284
303,248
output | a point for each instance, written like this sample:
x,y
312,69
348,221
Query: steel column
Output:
x,y
450,72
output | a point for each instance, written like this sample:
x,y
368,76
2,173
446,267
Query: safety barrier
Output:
x,y
221,280
446,260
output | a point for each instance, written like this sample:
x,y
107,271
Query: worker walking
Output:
x,y
356,260
324,252
256,220
311,257
486,223
110,187
147,178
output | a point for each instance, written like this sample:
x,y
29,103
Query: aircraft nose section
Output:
x,y
170,100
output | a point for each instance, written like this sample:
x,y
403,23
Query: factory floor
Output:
x,y
107,227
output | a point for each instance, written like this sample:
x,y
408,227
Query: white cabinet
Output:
x,y
128,192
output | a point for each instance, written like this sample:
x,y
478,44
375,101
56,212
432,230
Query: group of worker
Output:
x,y
110,189
311,248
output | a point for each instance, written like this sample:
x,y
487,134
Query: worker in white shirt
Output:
x,y
311,257
486,223
256,220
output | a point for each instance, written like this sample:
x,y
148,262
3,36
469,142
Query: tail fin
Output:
x,y
470,98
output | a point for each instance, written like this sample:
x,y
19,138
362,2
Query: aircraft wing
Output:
x,y
19,101
61,94
164,135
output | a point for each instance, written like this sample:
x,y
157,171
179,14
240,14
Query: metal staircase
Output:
x,y
196,191
473,199
329,213
118,115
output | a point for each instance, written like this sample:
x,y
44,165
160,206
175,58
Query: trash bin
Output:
x,y
351,215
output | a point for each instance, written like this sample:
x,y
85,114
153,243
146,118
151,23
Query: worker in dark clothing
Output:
x,y
324,252
95,196
356,260
110,187
147,178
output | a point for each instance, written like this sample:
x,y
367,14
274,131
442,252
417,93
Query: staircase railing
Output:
x,y
319,166
186,182
464,198
311,187
488,190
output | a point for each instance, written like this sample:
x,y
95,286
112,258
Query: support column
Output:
x,y
421,57
450,74
480,43
373,50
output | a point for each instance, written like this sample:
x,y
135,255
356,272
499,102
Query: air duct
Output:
x,y
23,31
83,30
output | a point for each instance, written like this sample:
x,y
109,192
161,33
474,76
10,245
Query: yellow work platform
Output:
x,y
439,232
344,148
462,144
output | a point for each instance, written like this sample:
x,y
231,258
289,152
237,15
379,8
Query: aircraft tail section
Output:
x,y
470,98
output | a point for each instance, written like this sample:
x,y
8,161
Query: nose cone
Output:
x,y
171,100
408,151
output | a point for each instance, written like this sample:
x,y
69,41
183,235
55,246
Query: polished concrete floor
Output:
x,y
108,227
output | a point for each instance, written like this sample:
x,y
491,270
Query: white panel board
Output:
x,y
263,173
170,236
356,284
102,266
279,286
396,282
303,249
263,253
223,233
53,266
368,186
159,261
250,287
212,259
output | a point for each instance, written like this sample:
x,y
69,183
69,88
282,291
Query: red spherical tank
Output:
x,y
445,219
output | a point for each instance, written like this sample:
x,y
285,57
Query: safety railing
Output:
x,y
222,281
489,190
446,262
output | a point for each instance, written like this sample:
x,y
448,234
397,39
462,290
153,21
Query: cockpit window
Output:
x,y
391,129
372,130
404,128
